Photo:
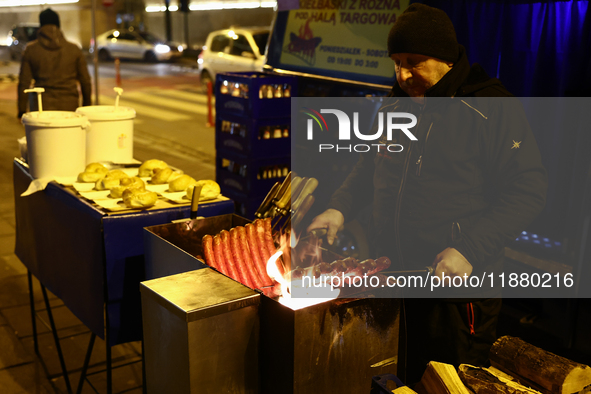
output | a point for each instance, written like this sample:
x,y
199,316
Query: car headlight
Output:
x,y
180,48
160,48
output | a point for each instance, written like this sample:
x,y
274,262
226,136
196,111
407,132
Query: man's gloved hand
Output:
x,y
332,220
452,263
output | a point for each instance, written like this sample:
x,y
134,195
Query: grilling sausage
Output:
x,y
364,267
381,264
350,264
297,273
259,263
207,244
338,267
268,234
239,258
219,255
230,263
249,264
260,233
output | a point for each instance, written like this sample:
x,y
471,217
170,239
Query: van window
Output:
x,y
261,41
219,43
240,45
30,33
127,37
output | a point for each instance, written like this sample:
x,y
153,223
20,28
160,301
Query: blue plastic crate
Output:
x,y
254,94
251,177
244,205
260,138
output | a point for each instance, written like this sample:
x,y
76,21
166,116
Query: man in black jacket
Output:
x,y
471,183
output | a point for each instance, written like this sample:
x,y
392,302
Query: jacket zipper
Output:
x,y
399,200
419,162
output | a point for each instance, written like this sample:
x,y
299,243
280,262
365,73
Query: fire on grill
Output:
x,y
259,258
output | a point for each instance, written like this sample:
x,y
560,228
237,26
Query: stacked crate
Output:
x,y
252,135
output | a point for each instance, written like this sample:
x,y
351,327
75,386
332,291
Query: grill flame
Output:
x,y
306,295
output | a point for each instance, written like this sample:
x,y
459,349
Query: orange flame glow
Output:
x,y
307,296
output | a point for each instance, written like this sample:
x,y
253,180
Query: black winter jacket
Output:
x,y
476,163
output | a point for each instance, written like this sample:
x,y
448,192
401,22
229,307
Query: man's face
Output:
x,y
416,73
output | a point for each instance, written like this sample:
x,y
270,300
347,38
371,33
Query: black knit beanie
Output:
x,y
424,30
49,17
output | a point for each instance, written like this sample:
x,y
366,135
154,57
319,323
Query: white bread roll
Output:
x,y
110,180
161,175
136,198
127,183
92,173
181,183
147,168
210,190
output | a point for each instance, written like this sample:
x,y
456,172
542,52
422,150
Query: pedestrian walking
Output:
x,y
56,65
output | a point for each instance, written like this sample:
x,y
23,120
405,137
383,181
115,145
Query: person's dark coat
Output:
x,y
57,66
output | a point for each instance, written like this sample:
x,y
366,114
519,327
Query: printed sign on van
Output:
x,y
342,35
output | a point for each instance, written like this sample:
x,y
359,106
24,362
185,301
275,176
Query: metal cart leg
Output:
x,y
56,339
86,362
109,368
33,315
144,385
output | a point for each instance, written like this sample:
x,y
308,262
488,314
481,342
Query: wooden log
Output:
x,y
505,377
487,381
404,390
551,373
440,378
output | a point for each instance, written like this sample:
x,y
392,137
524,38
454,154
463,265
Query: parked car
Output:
x,y
19,36
133,44
234,49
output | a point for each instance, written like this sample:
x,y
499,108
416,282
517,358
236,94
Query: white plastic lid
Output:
x,y
106,112
54,119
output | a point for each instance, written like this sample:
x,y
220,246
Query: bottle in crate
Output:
x,y
251,177
256,138
255,94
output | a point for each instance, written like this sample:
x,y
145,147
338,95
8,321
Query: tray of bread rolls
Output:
x,y
153,184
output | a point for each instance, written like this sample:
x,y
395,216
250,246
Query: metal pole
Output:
x,y
117,72
167,21
33,313
187,30
95,54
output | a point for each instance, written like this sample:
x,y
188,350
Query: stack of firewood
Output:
x,y
517,368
